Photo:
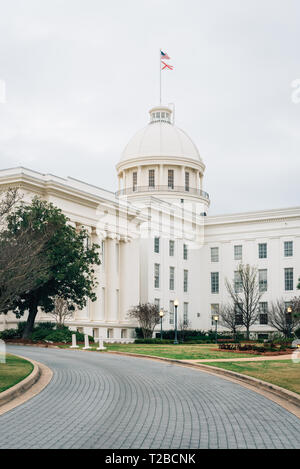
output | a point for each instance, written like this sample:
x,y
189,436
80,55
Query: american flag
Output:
x,y
164,55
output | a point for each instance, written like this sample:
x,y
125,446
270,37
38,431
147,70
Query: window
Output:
x,y
185,280
156,275
238,314
288,248
185,314
185,252
262,250
238,252
214,309
214,254
134,181
263,280
289,279
238,285
171,247
156,245
187,181
214,278
151,178
157,302
263,313
172,277
171,308
170,178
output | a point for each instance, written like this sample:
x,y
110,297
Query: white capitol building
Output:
x,y
158,242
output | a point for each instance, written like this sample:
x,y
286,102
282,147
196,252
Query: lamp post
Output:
x,y
176,303
161,313
289,319
216,319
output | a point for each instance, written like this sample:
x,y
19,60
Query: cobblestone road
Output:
x,y
112,402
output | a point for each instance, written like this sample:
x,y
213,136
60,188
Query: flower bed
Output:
x,y
271,348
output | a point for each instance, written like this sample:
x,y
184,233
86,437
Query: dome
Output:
x,y
160,138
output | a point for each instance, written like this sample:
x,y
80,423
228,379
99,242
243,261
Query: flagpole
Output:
x,y
160,77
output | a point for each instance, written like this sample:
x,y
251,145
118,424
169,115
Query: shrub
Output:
x,y
153,341
46,325
39,334
59,336
9,334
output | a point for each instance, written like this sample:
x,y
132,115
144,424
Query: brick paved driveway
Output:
x,y
109,401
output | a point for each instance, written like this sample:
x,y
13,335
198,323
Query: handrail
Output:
x,y
135,189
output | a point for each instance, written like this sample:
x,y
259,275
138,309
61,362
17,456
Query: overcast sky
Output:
x,y
81,76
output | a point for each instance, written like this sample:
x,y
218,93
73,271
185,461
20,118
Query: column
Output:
x,y
139,177
129,276
111,279
161,175
201,182
198,180
182,177
97,307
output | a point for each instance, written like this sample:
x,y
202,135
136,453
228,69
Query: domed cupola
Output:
x,y
161,159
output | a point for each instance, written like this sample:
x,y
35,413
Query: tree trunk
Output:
x,y
30,321
247,333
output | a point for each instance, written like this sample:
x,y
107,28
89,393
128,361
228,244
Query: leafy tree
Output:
x,y
245,295
71,261
147,315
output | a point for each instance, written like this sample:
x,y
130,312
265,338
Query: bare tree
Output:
x,y
230,318
282,320
63,310
183,326
245,294
8,200
295,305
22,265
147,315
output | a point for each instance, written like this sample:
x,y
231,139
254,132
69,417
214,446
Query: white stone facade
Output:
x,y
158,242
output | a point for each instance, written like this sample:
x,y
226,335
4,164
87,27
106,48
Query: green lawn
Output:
x,y
284,373
13,371
181,352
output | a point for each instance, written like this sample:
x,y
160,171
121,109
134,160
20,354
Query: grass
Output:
x,y
13,371
284,373
181,352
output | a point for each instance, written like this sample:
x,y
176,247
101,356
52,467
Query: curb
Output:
x,y
282,393
22,386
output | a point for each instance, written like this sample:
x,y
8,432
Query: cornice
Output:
x,y
262,216
158,160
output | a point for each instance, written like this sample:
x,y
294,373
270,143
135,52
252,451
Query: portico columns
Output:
x,y
111,307
129,276
98,313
